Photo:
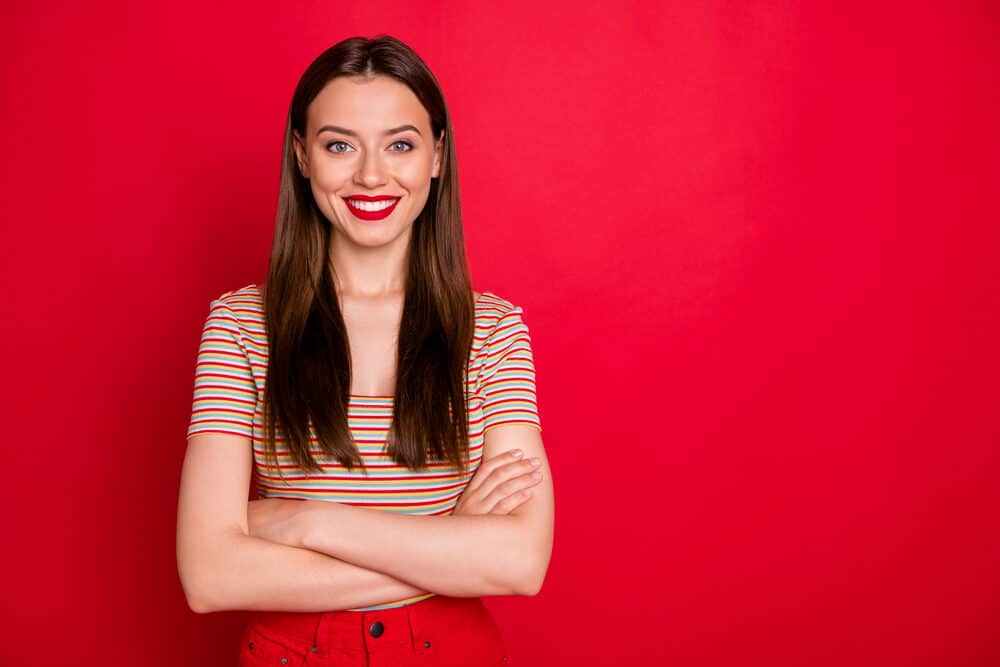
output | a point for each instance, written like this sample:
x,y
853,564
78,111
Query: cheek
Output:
x,y
415,176
329,177
321,193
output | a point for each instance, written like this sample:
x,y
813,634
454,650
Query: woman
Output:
x,y
387,410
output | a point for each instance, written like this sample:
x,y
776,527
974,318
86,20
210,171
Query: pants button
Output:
x,y
376,629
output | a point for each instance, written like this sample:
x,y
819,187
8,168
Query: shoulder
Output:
x,y
496,315
248,295
491,304
244,306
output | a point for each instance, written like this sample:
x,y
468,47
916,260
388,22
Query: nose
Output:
x,y
371,170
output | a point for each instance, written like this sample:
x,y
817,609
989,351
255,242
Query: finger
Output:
x,y
508,504
512,487
505,473
488,466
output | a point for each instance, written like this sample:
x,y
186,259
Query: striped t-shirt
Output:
x,y
229,388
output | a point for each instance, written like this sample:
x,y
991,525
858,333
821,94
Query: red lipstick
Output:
x,y
371,215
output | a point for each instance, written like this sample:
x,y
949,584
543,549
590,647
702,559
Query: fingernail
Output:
x,y
535,462
518,453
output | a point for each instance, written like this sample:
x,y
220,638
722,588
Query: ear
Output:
x,y
300,154
438,156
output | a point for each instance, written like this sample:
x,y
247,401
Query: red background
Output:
x,y
755,244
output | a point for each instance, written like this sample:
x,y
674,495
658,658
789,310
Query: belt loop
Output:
x,y
419,643
321,634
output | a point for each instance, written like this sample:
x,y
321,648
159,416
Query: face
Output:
x,y
369,137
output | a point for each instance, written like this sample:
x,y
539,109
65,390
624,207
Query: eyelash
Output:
x,y
410,146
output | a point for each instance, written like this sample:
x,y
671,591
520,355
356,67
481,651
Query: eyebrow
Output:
x,y
352,133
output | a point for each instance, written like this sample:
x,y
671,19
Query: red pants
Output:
x,y
440,631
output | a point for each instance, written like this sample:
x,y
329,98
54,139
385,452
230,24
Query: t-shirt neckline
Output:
x,y
383,397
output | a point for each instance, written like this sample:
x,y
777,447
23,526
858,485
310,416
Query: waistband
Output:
x,y
348,630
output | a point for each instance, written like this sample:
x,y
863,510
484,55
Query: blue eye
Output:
x,y
407,144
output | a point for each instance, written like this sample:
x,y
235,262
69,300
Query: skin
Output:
x,y
293,555
370,257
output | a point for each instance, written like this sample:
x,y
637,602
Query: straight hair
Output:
x,y
309,365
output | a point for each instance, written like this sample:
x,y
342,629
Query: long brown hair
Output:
x,y
309,368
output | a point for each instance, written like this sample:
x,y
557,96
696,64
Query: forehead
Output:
x,y
367,105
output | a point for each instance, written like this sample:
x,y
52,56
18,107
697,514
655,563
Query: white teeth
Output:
x,y
372,205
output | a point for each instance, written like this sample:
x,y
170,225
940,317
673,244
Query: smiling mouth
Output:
x,y
371,210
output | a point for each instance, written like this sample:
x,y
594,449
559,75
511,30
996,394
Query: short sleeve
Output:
x,y
507,381
225,394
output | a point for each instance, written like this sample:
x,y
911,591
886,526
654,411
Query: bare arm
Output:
x,y
222,567
458,555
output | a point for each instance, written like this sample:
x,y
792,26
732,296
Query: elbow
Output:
x,y
197,591
531,564
204,600
204,566
518,577
202,579
196,605
531,585
529,580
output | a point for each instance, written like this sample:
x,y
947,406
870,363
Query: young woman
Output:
x,y
387,409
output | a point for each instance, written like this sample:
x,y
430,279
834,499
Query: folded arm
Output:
x,y
458,555
222,567
255,574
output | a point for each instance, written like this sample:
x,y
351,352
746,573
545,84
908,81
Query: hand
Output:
x,y
277,519
499,485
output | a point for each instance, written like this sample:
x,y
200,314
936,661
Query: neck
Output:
x,y
369,272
